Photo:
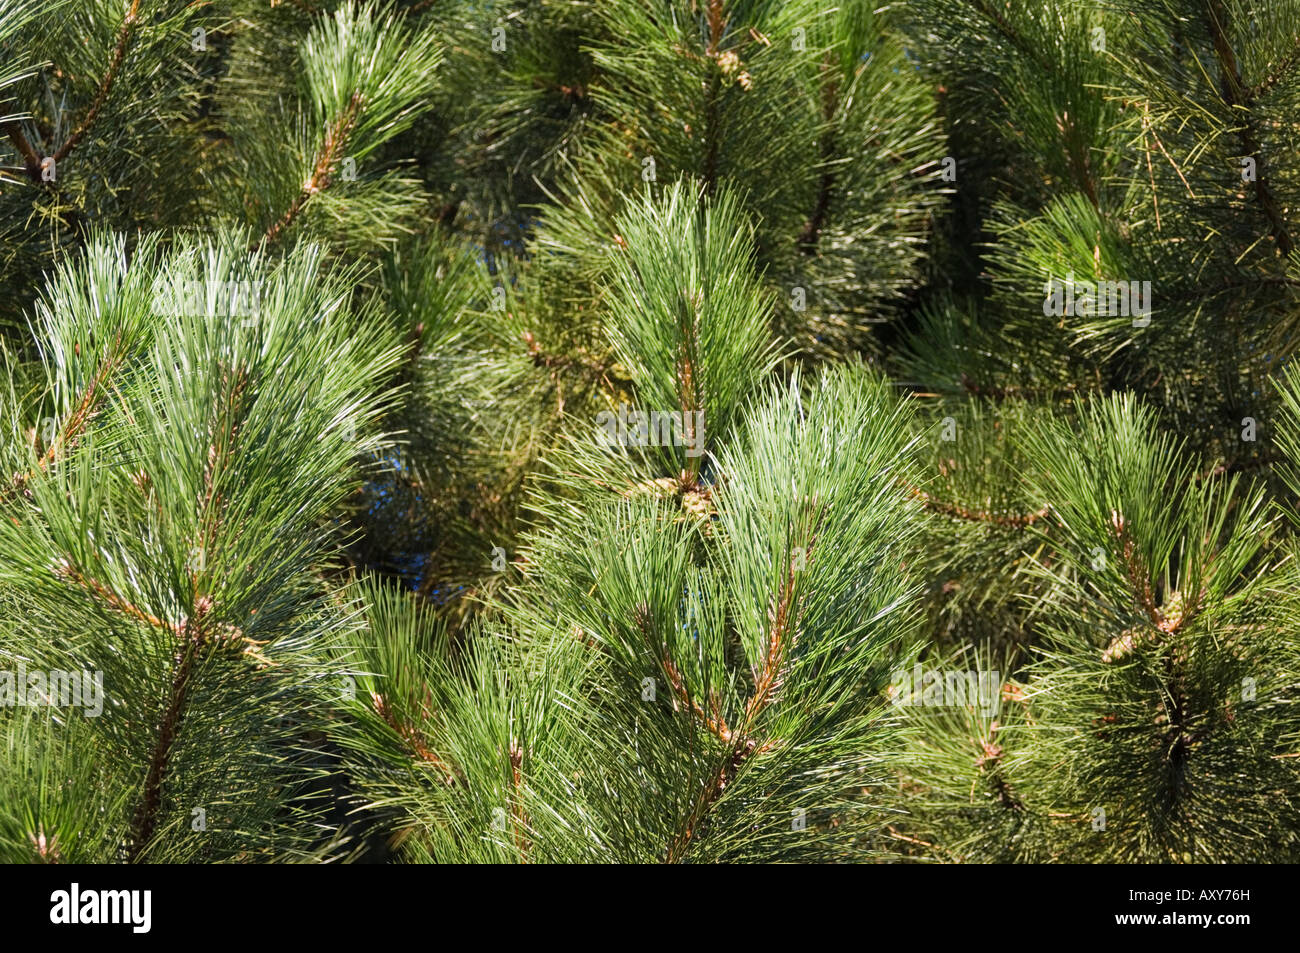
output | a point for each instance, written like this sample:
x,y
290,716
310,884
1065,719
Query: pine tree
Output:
x,y
649,431
1114,142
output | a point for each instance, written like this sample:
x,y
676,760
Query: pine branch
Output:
x,y
1016,521
779,643
336,139
716,18
1013,35
76,422
714,720
413,737
1280,73
106,84
807,239
194,630
580,359
1238,98
1139,580
114,601
31,161
144,821
990,761
518,817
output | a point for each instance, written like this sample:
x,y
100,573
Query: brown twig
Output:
x,y
336,138
714,722
990,760
66,572
717,19
1139,579
74,424
1277,75
812,229
144,820
518,817
689,395
767,683
196,633
1238,99
106,84
31,161
412,736
1014,520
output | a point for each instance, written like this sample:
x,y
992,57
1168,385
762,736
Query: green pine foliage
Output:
x,y
649,431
